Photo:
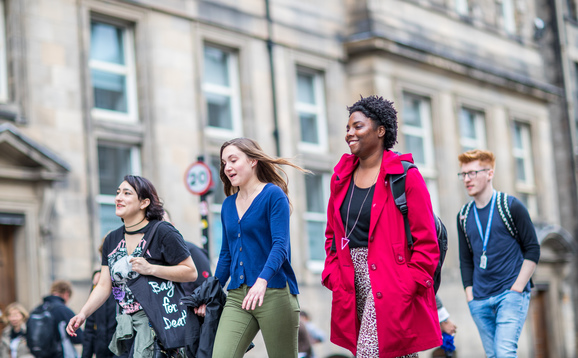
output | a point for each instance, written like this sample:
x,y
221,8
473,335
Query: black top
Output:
x,y
168,248
201,259
360,231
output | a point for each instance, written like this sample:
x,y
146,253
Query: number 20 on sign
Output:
x,y
198,178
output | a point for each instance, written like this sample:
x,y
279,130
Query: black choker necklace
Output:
x,y
136,231
128,227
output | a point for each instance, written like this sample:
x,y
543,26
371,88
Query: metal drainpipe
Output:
x,y
270,44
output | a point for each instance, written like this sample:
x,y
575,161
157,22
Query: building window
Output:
x,y
417,129
462,7
3,65
112,72
523,154
472,129
509,16
316,218
114,162
418,139
221,90
311,110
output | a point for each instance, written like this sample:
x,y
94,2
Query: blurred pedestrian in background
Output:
x,y
13,344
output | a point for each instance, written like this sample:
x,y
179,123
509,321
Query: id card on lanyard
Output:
x,y
485,237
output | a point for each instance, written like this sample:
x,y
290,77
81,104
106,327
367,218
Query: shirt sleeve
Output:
x,y
279,213
172,245
106,249
526,231
466,259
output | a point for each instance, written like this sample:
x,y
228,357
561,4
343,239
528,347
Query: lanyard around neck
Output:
x,y
485,237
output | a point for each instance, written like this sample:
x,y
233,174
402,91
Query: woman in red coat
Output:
x,y
383,298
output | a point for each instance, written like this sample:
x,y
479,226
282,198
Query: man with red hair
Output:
x,y
499,251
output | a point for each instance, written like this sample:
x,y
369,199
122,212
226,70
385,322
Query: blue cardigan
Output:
x,y
257,245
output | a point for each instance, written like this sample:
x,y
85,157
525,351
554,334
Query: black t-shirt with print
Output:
x,y
168,248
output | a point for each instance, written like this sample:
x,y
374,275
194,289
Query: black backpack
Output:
x,y
42,335
398,190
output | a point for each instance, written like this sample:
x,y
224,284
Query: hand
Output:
x,y
469,293
448,327
255,294
200,311
142,266
75,323
515,289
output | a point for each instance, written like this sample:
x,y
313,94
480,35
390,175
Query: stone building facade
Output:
x,y
91,90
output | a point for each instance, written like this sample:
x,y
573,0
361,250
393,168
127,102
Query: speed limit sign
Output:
x,y
198,178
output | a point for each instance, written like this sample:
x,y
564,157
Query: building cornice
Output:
x,y
368,43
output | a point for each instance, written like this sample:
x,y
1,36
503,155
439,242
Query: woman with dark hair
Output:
x,y
139,207
256,254
383,297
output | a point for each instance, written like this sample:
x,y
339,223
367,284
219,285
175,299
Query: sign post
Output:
x,y
199,181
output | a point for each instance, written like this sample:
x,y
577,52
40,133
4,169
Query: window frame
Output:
x,y
316,266
4,95
508,12
136,168
128,70
524,153
233,92
427,169
480,142
425,132
462,7
317,109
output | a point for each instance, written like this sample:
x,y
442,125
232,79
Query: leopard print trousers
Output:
x,y
367,346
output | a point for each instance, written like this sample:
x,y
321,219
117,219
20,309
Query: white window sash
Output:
x,y
128,70
234,93
3,61
525,153
509,16
462,7
479,139
317,109
424,132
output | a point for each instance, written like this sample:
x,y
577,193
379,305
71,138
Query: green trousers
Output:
x,y
277,318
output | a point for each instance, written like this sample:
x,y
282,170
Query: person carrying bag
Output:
x,y
141,262
167,316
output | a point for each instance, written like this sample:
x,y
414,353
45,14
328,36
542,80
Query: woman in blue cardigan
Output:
x,y
256,254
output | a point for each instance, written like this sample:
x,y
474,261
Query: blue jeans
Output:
x,y
500,320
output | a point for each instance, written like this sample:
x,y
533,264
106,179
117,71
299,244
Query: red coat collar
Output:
x,y
390,163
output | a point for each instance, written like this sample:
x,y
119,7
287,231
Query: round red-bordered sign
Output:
x,y
198,178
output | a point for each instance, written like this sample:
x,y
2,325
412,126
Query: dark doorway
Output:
x,y
541,337
7,266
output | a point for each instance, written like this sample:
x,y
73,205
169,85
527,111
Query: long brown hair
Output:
x,y
267,168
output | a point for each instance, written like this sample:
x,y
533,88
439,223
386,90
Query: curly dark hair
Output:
x,y
382,112
146,190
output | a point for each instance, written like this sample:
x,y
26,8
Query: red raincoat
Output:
x,y
401,281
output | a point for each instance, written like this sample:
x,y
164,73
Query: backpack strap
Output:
x,y
150,235
397,182
465,210
506,215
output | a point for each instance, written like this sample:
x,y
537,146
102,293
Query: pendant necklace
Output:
x,y
345,240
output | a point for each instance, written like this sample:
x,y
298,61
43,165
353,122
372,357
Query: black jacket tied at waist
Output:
x,y
205,328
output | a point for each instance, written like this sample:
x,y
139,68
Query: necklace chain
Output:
x,y
247,198
360,208
128,227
